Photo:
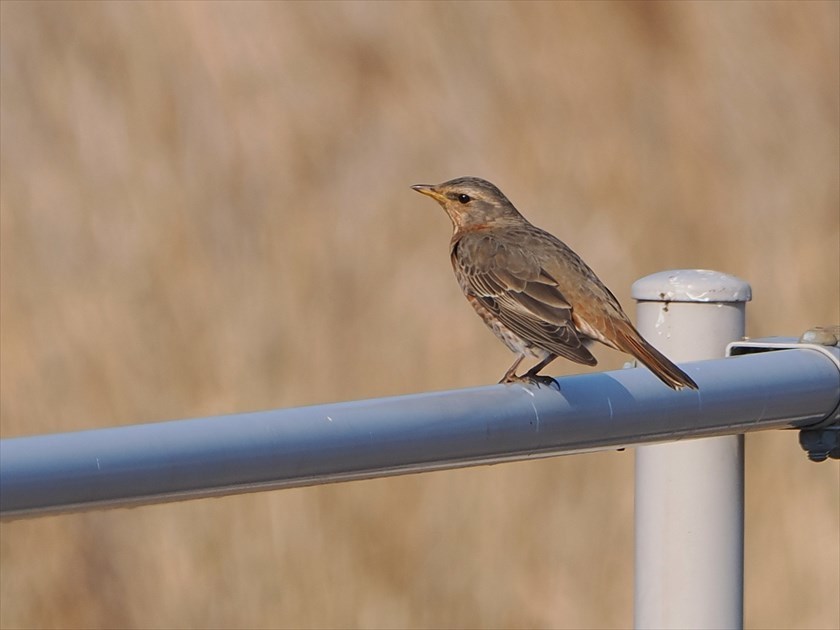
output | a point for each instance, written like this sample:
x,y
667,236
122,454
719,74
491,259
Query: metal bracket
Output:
x,y
821,440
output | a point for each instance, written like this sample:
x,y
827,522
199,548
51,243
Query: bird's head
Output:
x,y
471,203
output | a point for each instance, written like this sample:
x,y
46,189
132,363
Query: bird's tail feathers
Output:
x,y
664,369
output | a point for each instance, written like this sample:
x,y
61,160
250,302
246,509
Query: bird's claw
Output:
x,y
530,379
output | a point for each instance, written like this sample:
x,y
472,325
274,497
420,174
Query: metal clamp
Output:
x,y
822,440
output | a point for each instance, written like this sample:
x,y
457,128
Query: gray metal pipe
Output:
x,y
373,438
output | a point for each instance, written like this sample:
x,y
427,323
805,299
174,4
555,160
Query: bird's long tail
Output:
x,y
633,343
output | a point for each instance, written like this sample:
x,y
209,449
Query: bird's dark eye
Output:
x,y
464,198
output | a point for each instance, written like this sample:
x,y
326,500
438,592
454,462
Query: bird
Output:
x,y
536,294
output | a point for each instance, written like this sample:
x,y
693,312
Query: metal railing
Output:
x,y
768,386
185,459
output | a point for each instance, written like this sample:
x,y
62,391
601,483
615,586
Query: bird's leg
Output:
x,y
533,375
510,376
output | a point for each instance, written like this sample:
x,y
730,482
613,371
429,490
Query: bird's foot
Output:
x,y
529,379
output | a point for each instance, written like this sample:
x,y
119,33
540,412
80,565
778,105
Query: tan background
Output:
x,y
206,209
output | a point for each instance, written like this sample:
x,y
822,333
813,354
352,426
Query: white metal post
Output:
x,y
689,503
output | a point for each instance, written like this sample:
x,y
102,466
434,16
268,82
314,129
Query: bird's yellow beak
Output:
x,y
428,190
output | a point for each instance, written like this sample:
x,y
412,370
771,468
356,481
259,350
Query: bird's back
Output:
x,y
591,301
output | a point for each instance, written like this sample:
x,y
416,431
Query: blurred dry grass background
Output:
x,y
205,209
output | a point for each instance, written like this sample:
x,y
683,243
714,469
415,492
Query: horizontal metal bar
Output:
x,y
373,438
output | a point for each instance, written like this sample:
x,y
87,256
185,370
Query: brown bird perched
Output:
x,y
531,290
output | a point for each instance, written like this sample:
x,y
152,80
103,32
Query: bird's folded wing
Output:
x,y
524,297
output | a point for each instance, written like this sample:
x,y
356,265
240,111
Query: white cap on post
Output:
x,y
691,314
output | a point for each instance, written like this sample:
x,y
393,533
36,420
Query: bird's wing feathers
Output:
x,y
512,284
